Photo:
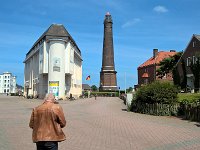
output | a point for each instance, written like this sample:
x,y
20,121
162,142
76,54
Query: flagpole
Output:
x,y
88,78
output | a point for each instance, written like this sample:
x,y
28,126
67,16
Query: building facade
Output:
x,y
7,83
108,80
53,65
189,57
147,70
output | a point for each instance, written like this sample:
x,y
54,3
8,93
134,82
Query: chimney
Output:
x,y
155,52
172,50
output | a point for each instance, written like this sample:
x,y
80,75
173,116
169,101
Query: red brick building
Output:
x,y
147,70
189,57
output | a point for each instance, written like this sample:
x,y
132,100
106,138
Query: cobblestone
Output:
x,y
101,124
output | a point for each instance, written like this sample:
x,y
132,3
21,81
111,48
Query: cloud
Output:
x,y
131,22
160,9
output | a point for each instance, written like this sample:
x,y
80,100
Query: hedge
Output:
x,y
157,92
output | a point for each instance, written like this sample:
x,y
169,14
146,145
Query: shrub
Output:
x,y
12,94
157,92
104,94
189,98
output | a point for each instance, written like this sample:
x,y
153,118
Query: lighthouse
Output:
x,y
108,80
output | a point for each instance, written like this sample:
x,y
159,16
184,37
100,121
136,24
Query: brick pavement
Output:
x,y
101,124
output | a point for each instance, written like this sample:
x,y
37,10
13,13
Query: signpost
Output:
x,y
54,88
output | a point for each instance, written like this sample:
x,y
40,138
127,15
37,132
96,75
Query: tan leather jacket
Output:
x,y
46,122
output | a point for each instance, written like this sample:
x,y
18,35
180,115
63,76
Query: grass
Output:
x,y
189,97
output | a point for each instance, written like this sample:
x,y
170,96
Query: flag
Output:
x,y
88,78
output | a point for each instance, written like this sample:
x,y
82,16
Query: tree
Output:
x,y
94,88
167,65
176,76
195,68
183,82
130,89
157,92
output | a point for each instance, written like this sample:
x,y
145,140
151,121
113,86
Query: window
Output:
x,y
7,90
41,51
193,44
72,55
5,77
197,59
194,60
145,81
188,61
5,81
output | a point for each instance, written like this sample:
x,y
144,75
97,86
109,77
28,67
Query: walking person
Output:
x,y
46,121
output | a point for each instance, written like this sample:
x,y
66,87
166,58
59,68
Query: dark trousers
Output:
x,y
47,145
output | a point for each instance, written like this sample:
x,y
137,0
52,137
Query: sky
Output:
x,y
139,26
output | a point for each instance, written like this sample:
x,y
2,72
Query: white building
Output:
x,y
7,83
53,64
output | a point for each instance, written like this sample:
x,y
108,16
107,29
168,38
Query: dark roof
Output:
x,y
197,36
194,35
55,31
86,87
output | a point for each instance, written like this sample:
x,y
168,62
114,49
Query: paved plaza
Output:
x,y
102,124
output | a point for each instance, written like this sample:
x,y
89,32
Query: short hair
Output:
x,y
49,97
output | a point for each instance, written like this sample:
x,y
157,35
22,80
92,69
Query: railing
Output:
x,y
186,111
156,109
190,111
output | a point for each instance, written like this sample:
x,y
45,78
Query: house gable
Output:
x,y
147,70
189,55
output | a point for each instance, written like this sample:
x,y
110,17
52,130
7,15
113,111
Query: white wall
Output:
x,y
7,83
69,75
57,65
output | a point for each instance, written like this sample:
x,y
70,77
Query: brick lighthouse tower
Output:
x,y
108,80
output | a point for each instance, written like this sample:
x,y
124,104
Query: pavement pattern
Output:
x,y
102,124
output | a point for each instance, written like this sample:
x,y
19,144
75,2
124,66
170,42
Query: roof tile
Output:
x,y
160,56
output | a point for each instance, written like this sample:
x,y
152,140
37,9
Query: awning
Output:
x,y
145,75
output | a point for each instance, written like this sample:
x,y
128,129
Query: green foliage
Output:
x,y
184,79
176,77
130,89
157,92
14,94
189,98
94,88
104,94
167,65
156,109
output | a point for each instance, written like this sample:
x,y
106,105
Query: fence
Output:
x,y
190,112
156,109
187,111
